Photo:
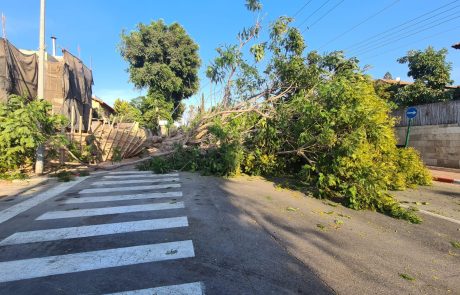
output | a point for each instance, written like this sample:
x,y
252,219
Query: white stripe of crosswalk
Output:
x,y
17,209
130,172
71,263
110,210
141,176
110,198
183,289
135,181
93,230
129,188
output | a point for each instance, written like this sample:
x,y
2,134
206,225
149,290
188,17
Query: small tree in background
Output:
x,y
163,59
153,109
129,112
431,74
388,76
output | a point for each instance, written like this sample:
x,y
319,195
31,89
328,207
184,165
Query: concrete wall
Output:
x,y
439,145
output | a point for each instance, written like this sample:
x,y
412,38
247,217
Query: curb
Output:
x,y
447,180
115,166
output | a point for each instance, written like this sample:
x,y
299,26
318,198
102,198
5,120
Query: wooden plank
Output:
x,y
80,131
90,122
107,138
134,145
119,141
114,139
123,147
72,122
131,141
136,150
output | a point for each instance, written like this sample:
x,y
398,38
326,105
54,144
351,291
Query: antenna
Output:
x,y
53,39
3,26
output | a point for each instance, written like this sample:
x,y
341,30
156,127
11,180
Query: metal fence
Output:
x,y
431,114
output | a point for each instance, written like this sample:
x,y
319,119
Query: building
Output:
x,y
68,82
101,110
405,83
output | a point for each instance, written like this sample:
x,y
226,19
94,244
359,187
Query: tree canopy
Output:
x,y
163,59
431,74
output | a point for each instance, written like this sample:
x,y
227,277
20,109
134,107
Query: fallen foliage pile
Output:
x,y
316,118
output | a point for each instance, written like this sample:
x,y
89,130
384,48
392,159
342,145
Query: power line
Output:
x,y
402,27
398,26
313,13
360,23
323,16
302,8
406,36
417,41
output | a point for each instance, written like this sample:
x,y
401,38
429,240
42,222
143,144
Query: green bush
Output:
x,y
24,125
64,176
157,164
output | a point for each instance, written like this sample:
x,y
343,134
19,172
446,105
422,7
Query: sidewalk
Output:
x,y
17,187
447,175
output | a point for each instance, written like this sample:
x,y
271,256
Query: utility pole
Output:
x,y
39,165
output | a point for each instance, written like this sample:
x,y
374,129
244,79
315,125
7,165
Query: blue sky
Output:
x,y
95,26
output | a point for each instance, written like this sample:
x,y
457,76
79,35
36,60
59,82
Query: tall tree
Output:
x,y
164,59
431,74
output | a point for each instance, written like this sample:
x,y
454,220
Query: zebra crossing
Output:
x,y
98,200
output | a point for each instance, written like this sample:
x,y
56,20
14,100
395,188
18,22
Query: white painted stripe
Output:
x,y
141,176
440,216
96,199
93,230
128,188
70,263
110,210
130,172
135,181
184,289
33,201
434,215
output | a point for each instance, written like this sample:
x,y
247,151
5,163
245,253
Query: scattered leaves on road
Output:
x,y
292,209
330,203
338,222
455,244
407,277
171,252
344,215
321,226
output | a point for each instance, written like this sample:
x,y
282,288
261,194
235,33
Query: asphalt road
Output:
x,y
139,233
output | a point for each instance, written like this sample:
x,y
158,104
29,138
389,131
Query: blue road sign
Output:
x,y
411,113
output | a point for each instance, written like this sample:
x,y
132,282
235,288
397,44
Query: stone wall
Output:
x,y
439,145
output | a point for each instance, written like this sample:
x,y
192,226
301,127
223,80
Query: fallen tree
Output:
x,y
317,118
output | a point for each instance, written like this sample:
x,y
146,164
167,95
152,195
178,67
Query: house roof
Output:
x,y
404,83
103,103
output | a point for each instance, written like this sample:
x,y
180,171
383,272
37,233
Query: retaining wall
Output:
x,y
439,145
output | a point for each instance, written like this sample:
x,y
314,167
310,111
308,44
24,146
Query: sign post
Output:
x,y
410,114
